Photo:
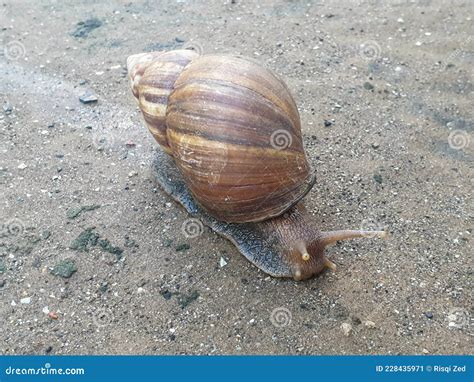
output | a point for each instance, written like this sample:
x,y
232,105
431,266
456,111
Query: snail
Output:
x,y
233,156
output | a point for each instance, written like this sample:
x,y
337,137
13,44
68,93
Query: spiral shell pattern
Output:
x,y
218,116
152,79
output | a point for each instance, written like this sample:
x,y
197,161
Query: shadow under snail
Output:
x,y
233,155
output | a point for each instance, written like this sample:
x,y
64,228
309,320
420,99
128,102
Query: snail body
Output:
x,y
233,155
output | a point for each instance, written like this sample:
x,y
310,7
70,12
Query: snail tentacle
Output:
x,y
329,264
331,237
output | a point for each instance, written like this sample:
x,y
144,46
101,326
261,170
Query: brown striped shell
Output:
x,y
232,128
152,79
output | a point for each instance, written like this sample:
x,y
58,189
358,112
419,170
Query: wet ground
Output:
x,y
93,255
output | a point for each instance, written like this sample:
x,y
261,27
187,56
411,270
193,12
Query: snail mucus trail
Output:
x,y
216,118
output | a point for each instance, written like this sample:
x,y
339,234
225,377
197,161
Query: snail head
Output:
x,y
303,246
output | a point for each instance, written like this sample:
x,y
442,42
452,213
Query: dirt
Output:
x,y
385,94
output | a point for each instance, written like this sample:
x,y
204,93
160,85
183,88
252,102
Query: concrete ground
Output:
x,y
93,258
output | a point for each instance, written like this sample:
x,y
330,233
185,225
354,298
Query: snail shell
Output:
x,y
232,128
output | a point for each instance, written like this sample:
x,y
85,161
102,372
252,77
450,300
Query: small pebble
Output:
x,y
85,27
368,86
88,97
222,262
429,315
378,178
375,145
369,324
327,123
53,315
22,166
182,247
166,294
425,351
7,108
346,329
2,283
